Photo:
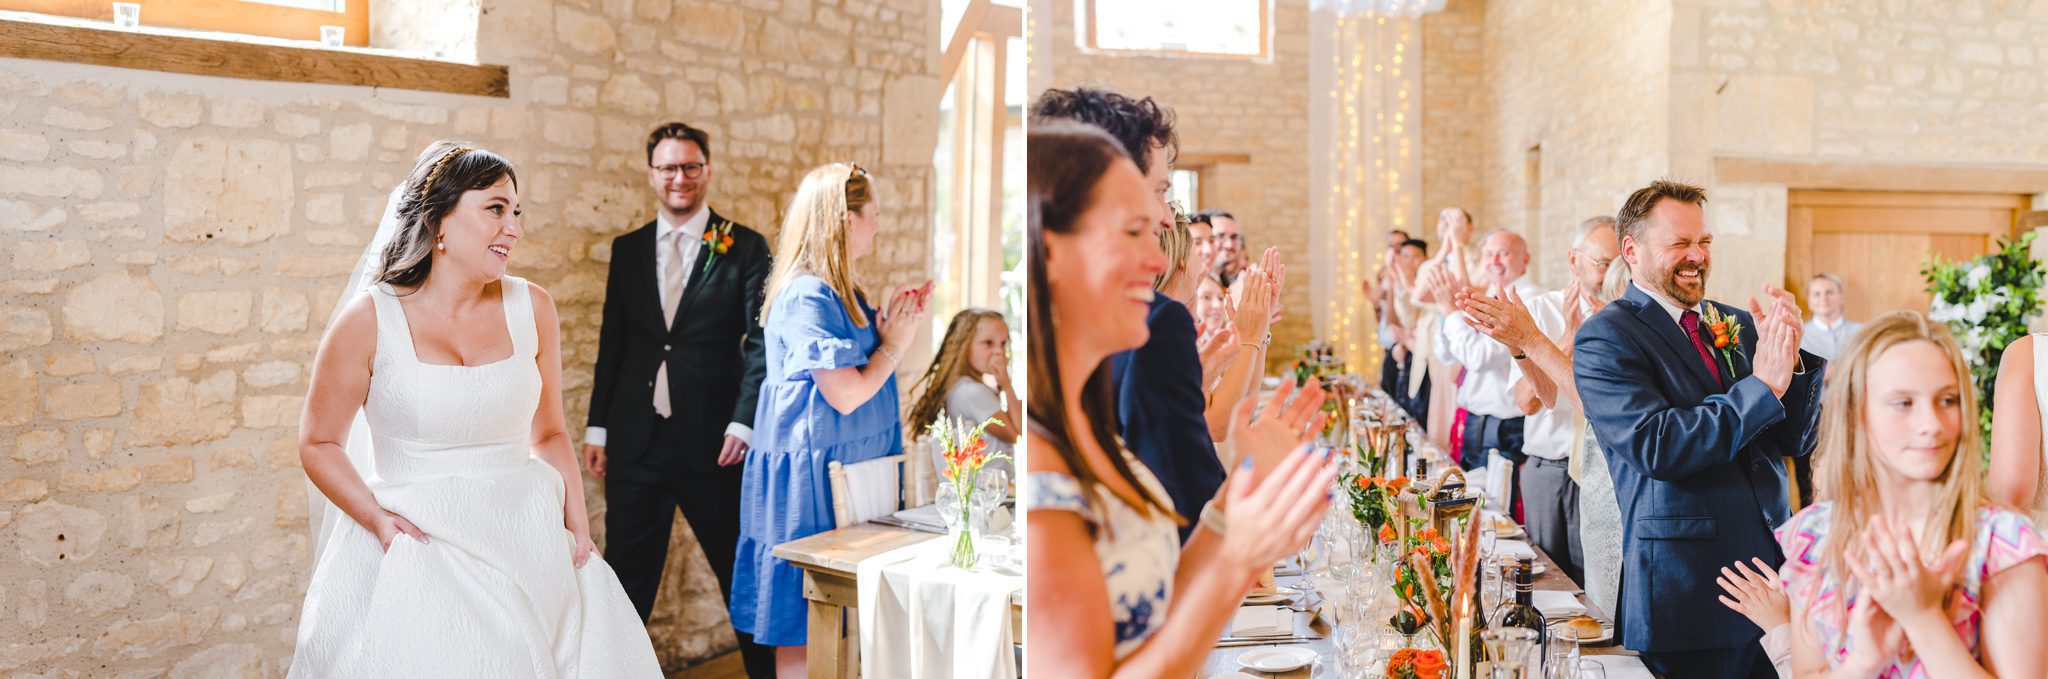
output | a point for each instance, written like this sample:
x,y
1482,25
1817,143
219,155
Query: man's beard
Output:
x,y
1677,291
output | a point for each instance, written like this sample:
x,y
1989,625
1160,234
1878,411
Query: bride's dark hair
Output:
x,y
445,171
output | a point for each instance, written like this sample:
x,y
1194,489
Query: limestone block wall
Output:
x,y
1454,123
1938,84
1229,106
170,247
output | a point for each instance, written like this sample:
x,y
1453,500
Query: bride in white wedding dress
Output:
x,y
457,544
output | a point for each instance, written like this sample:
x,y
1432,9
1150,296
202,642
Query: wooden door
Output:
x,y
1878,241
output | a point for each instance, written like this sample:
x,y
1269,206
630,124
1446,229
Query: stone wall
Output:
x,y
1619,93
1948,83
1454,99
170,247
1230,106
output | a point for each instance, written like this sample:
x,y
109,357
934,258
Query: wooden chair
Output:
x,y
920,480
853,485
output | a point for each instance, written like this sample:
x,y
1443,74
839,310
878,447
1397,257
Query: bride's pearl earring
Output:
x,y
443,245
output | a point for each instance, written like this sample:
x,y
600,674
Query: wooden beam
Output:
x,y
1844,175
963,34
1195,159
232,59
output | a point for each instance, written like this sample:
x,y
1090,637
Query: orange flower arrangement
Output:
x,y
1409,663
1387,533
1726,333
717,241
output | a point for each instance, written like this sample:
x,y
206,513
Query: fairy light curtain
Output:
x,y
1365,169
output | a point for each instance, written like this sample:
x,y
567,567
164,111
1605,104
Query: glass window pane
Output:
x,y
1231,27
1187,184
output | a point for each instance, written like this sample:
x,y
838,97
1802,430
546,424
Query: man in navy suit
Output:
x,y
1695,435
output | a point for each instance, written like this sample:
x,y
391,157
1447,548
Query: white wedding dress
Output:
x,y
493,593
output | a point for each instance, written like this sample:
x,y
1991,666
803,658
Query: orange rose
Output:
x,y
1401,657
1427,535
1398,483
1430,665
1440,546
1720,341
1387,533
1720,328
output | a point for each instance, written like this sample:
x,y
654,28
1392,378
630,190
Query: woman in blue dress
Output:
x,y
829,396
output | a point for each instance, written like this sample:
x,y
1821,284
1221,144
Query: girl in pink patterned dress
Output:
x,y
1920,576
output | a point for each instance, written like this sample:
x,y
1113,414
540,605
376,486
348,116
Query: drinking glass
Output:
x,y
127,14
1590,669
333,36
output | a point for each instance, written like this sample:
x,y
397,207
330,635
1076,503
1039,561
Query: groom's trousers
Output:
x,y
641,499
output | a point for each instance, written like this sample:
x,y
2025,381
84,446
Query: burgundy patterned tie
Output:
x,y
1690,320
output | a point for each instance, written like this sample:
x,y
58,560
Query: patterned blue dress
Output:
x,y
785,491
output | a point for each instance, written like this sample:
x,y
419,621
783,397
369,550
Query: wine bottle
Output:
x,y
1521,613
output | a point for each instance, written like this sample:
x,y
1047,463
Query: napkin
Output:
x,y
1556,603
1516,549
1262,621
1622,666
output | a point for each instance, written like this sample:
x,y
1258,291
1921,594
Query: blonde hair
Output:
x,y
1178,242
947,368
813,238
1847,473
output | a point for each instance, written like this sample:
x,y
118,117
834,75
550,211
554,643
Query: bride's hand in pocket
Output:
x,y
584,548
388,525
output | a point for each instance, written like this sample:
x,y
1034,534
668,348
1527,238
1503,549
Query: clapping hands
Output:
x,y
1777,344
1505,318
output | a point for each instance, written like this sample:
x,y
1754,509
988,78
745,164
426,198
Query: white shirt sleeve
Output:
x,y
1468,347
594,436
743,432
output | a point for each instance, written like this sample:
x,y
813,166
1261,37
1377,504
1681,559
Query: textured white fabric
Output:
x,y
921,618
493,592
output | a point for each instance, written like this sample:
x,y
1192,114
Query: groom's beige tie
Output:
x,y
671,293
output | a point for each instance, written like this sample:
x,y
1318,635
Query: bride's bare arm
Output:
x,y
2016,441
550,428
341,381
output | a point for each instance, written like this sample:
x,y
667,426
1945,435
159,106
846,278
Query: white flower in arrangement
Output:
x,y
1978,274
1977,309
1944,312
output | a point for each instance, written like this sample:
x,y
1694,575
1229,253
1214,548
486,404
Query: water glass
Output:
x,y
1590,669
333,36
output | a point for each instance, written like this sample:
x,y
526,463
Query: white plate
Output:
x,y
1606,634
1273,596
1234,675
1277,658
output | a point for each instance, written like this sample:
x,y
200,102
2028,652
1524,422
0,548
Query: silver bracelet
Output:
x,y
894,360
1212,518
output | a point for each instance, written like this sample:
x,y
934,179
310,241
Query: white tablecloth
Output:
x,y
920,617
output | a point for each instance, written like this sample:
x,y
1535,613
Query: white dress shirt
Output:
x,y
1548,433
665,257
1487,389
1826,341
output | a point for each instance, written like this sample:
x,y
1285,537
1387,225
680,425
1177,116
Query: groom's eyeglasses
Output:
x,y
687,170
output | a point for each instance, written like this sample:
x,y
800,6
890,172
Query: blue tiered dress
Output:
x,y
785,492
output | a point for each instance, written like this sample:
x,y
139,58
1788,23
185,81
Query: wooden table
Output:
x,y
829,560
1224,660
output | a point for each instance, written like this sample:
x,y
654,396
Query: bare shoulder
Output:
x,y
543,303
1045,460
2018,354
353,334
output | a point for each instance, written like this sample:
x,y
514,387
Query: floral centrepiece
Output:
x,y
1409,663
965,452
1988,302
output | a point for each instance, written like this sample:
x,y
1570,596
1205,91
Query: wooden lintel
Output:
x,y
253,61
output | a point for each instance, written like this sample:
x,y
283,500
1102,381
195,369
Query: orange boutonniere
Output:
x,y
1725,333
717,241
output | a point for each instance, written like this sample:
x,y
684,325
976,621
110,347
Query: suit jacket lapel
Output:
x,y
650,282
1651,313
700,270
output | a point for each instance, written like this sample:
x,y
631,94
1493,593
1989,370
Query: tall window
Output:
x,y
977,225
1213,28
1187,188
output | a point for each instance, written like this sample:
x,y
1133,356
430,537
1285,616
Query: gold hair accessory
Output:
x,y
438,165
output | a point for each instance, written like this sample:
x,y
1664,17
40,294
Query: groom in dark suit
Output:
x,y
1695,435
679,364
